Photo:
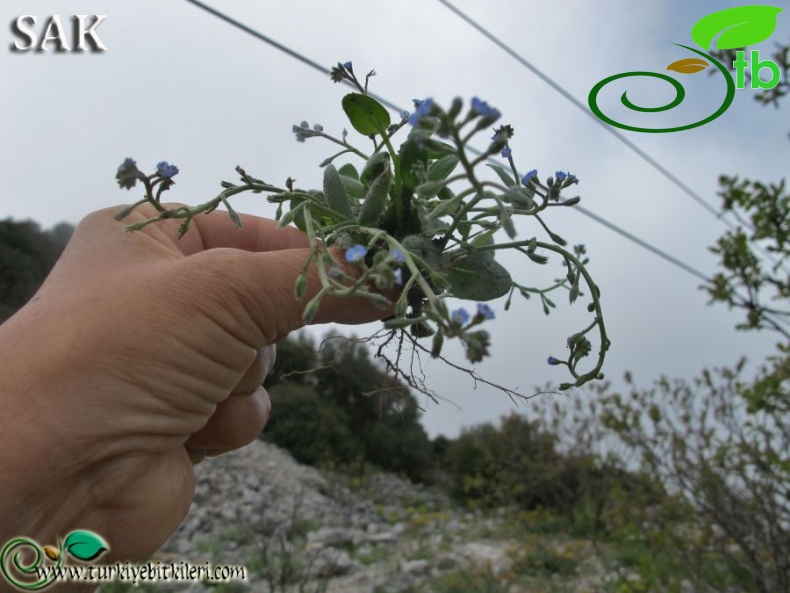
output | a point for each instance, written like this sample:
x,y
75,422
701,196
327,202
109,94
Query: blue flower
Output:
x,y
423,109
356,253
529,176
460,316
397,255
399,277
127,174
166,170
347,66
506,152
553,361
485,311
481,107
560,176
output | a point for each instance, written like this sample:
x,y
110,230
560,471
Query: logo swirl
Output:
x,y
680,94
730,28
20,573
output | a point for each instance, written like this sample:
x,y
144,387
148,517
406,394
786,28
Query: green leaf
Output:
x,y
476,276
483,239
445,194
127,211
410,155
375,200
183,228
353,187
335,192
504,175
739,27
348,170
374,167
367,115
445,208
519,198
441,169
85,545
429,189
557,239
234,216
437,149
538,259
423,248
294,215
507,221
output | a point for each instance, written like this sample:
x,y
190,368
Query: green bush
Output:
x,y
313,430
335,406
27,255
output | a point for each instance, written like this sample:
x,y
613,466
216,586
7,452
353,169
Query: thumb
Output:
x,y
258,289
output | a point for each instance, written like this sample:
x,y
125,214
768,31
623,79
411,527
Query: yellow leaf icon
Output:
x,y
52,552
688,65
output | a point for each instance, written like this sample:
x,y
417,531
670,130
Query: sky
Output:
x,y
180,85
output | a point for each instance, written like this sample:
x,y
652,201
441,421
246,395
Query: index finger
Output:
x,y
256,233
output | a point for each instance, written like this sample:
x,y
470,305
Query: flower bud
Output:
x,y
312,308
301,286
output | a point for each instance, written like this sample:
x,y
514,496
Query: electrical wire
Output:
x,y
611,226
613,131
283,48
583,108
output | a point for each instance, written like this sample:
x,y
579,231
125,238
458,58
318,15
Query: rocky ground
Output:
x,y
296,529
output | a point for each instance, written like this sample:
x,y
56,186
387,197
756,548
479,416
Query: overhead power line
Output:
x,y
613,131
611,226
583,108
324,70
283,48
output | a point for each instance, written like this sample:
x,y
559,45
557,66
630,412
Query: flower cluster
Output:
x,y
166,170
386,269
128,175
303,131
423,109
417,221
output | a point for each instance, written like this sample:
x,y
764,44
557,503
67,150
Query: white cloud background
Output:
x,y
178,84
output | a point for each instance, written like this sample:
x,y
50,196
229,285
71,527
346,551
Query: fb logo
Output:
x,y
735,28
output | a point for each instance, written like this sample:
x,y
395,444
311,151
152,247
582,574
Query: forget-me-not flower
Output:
x,y
356,253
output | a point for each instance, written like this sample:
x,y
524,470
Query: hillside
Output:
x,y
296,529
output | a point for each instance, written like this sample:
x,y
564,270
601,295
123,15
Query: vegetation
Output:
x,y
680,486
26,257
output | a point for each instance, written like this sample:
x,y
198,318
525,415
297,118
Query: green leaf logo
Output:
x,y
739,27
85,545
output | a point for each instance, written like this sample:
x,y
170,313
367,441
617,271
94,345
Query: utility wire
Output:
x,y
644,244
583,108
611,226
283,48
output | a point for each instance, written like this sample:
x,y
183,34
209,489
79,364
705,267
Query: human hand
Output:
x,y
139,352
